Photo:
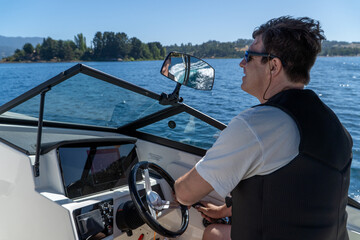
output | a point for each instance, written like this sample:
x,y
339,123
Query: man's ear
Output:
x,y
275,66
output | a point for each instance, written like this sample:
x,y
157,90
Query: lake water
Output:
x,y
336,80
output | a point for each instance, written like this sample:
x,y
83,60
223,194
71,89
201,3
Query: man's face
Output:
x,y
256,78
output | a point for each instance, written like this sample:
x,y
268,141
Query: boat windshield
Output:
x,y
83,99
84,96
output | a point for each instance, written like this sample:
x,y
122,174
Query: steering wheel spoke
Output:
x,y
147,180
148,192
170,205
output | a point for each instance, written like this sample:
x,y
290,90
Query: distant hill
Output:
x,y
9,44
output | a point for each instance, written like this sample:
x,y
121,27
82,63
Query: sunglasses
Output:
x,y
248,55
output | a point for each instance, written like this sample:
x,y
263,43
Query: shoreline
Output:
x,y
81,61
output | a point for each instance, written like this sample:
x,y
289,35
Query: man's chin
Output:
x,y
243,86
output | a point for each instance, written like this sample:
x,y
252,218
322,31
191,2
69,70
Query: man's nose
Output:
x,y
242,63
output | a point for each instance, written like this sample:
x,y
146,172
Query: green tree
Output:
x,y
145,52
80,42
123,45
19,55
111,46
65,50
37,49
98,45
87,55
28,48
49,49
155,50
135,51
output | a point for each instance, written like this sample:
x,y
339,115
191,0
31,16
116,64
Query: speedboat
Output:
x,y
87,155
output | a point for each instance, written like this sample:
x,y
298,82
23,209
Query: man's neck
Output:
x,y
279,86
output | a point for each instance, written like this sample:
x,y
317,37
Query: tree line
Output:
x,y
110,46
236,49
336,48
107,46
214,49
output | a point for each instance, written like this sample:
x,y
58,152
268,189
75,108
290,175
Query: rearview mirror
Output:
x,y
188,70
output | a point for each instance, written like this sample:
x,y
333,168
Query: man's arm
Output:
x,y
191,188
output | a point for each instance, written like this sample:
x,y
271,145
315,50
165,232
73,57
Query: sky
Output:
x,y
170,22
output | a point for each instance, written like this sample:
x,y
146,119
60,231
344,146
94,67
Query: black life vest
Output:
x,y
305,199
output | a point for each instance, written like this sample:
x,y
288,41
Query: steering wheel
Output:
x,y
154,201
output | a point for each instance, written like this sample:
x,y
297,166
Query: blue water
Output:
x,y
336,80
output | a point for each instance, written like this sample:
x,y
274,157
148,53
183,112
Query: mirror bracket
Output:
x,y
169,99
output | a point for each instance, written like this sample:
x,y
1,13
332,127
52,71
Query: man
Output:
x,y
285,162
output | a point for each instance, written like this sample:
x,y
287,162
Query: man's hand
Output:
x,y
211,211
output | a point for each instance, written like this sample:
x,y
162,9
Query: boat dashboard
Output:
x,y
94,167
86,174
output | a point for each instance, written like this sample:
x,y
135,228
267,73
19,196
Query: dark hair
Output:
x,y
295,41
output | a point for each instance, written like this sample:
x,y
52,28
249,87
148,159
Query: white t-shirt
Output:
x,y
258,141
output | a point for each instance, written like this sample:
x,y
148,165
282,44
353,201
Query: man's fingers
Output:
x,y
201,209
207,217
